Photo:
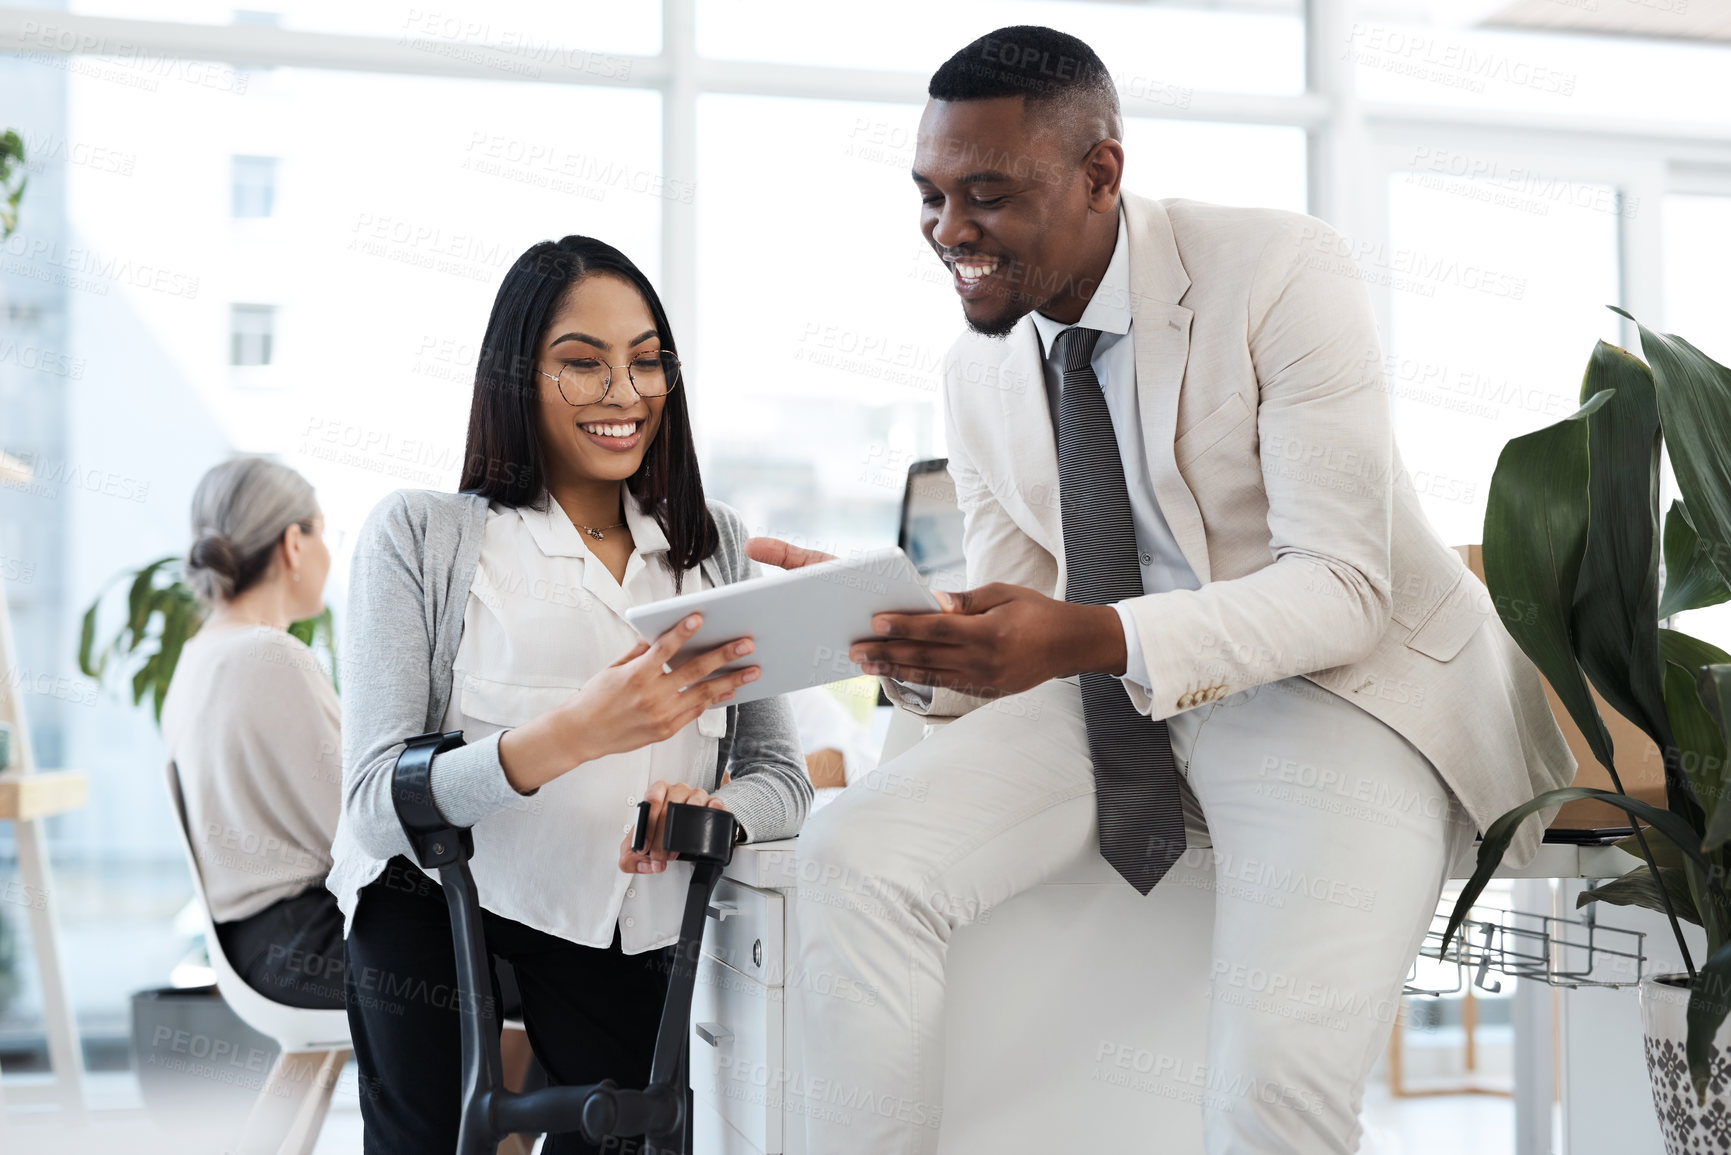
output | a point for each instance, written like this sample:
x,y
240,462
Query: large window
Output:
x,y
339,336
1155,51
1496,298
252,332
254,187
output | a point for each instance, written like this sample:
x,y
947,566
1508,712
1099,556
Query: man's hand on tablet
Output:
x,y
998,639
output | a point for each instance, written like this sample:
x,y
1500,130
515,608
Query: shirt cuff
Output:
x,y
1135,665
912,697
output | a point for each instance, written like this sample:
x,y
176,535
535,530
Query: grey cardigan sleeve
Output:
x,y
387,673
769,793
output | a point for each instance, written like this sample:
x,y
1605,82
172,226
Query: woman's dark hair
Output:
x,y
503,460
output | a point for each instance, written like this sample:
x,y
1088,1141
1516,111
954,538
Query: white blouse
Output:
x,y
544,615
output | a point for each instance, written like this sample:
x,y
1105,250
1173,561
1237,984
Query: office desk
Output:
x,y
1048,1044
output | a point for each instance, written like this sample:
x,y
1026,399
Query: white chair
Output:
x,y
291,1105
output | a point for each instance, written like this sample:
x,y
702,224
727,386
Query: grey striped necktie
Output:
x,y
1135,780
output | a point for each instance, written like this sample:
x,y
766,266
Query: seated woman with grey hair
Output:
x,y
253,725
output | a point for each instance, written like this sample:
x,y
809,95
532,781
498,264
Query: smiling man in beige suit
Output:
x,y
1202,590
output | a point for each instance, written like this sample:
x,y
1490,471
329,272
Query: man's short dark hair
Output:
x,y
1028,60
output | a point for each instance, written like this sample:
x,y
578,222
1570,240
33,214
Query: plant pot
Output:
x,y
1689,1127
199,1067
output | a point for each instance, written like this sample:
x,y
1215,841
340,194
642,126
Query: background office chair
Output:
x,y
291,1106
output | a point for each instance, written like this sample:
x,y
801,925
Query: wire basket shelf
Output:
x,y
1561,952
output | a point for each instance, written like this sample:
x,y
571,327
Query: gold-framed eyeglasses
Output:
x,y
587,379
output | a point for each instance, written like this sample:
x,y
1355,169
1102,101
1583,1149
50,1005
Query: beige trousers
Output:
x,y
1331,839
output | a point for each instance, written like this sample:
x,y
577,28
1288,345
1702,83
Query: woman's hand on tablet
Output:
x,y
632,703
653,859
783,555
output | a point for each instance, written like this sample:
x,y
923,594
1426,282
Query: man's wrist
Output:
x,y
1099,632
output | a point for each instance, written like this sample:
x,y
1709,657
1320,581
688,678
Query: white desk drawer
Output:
x,y
737,1063
744,930
710,1134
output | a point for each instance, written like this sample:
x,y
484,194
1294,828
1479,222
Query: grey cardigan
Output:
x,y
414,563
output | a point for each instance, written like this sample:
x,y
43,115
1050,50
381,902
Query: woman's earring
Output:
x,y
295,575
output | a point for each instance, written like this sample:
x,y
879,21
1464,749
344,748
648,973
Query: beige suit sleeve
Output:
x,y
1327,456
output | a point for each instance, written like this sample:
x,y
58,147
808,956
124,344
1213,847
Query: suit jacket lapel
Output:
x,y
1030,491
1162,333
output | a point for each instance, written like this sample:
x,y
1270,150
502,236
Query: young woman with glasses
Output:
x,y
499,611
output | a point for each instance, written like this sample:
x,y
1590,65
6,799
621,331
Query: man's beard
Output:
x,y
1001,327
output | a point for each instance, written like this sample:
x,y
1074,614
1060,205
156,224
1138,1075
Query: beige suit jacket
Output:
x,y
1266,417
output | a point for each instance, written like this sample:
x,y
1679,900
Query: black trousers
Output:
x,y
591,1014
291,951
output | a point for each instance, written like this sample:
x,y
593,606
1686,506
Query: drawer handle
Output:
x,y
713,1033
720,910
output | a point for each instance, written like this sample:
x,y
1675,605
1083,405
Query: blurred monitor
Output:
x,y
931,530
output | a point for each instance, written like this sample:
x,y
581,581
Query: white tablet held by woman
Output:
x,y
801,621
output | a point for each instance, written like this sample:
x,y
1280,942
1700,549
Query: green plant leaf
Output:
x,y
1713,687
91,661
1691,582
1714,682
1614,611
1671,860
1698,748
1698,754
160,608
139,601
137,604
1535,537
142,679
176,628
87,662
1637,888
1694,394
1688,650
1500,833
327,630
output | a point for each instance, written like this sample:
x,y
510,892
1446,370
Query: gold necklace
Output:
x,y
598,534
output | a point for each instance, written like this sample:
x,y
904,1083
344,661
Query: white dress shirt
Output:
x,y
1114,363
543,617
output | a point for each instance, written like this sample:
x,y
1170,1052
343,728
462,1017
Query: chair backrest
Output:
x,y
294,1028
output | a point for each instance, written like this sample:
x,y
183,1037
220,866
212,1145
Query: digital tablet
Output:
x,y
802,621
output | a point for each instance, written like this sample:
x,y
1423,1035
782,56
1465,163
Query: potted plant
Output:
x,y
1573,537
13,177
162,612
